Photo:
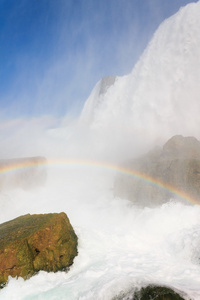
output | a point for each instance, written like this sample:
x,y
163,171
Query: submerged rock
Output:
x,y
157,292
173,171
31,243
153,292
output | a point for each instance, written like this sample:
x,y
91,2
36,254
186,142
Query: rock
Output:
x,y
158,293
152,292
31,243
22,173
177,166
96,98
106,83
182,147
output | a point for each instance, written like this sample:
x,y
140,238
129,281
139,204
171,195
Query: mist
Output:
x,y
49,49
121,247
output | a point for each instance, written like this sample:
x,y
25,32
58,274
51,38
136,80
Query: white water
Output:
x,y
121,247
160,97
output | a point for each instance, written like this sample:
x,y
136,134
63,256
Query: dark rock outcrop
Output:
x,y
106,83
158,293
153,292
22,173
176,166
31,243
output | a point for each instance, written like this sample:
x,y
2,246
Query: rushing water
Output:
x,y
121,247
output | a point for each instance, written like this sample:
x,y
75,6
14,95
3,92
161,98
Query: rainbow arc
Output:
x,y
27,164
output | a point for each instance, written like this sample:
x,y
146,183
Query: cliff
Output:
x,y
164,173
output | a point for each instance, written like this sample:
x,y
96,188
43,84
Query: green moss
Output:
x,y
22,227
32,243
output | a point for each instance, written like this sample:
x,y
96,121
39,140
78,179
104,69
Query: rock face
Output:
x,y
176,166
25,173
97,96
32,243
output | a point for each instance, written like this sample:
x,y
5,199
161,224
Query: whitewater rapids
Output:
x,y
121,247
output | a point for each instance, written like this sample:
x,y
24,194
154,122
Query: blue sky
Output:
x,y
52,52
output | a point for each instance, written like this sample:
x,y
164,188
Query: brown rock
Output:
x,y
32,243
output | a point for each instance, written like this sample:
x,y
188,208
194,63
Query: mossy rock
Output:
x,y
32,243
152,292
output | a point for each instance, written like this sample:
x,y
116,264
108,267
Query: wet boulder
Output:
x,y
158,293
31,243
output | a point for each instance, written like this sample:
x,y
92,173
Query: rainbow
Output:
x,y
23,164
12,165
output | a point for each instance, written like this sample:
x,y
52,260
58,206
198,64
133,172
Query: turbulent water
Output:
x,y
121,247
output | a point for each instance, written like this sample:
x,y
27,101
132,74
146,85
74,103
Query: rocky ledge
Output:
x,y
175,166
31,243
